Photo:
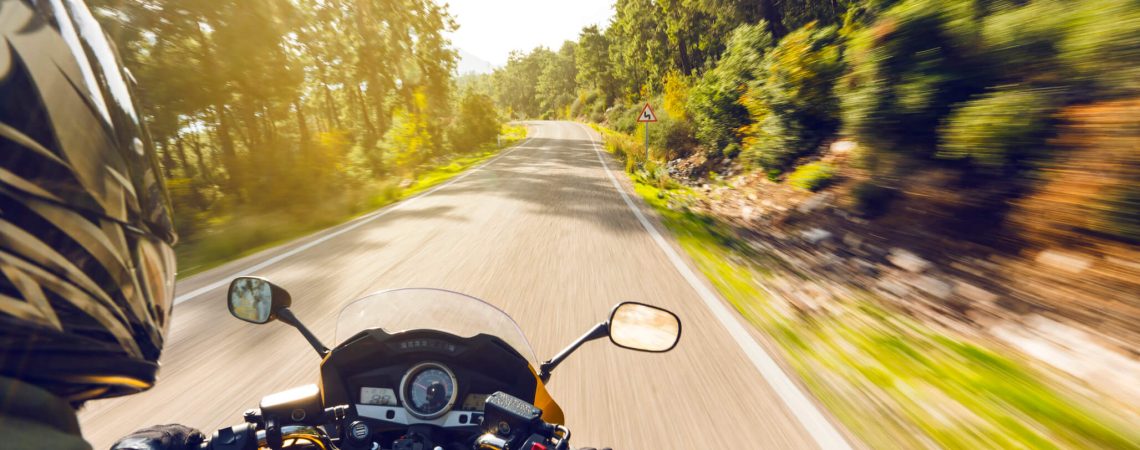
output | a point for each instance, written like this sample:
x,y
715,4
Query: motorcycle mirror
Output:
x,y
647,328
256,300
632,325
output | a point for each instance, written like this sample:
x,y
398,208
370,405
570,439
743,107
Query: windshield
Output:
x,y
434,309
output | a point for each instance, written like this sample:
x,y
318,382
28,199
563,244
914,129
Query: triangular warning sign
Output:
x,y
647,114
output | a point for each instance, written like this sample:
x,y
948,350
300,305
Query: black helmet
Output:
x,y
86,266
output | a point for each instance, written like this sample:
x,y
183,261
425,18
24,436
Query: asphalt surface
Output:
x,y
540,232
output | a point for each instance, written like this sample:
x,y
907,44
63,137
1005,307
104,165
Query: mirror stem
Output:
x,y
285,315
600,330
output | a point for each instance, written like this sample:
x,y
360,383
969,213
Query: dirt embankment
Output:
x,y
1051,268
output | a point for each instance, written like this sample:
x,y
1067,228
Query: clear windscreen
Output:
x,y
400,310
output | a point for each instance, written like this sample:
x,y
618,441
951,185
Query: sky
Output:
x,y
490,29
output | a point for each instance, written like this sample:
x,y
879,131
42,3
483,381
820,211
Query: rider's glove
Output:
x,y
161,437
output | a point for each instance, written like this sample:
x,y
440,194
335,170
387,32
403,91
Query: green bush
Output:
x,y
676,137
732,150
623,118
597,111
1024,40
872,199
983,79
813,176
578,108
187,220
656,175
714,100
624,147
907,71
1090,47
1101,45
793,106
670,137
590,104
1000,129
477,124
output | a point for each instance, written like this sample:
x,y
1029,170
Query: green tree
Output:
x,y
792,103
557,83
715,106
247,96
516,84
639,49
592,58
908,70
477,123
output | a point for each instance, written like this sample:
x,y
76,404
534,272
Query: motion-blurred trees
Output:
x,y
792,104
268,104
962,85
715,104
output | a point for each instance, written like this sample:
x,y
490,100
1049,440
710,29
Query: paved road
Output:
x,y
540,232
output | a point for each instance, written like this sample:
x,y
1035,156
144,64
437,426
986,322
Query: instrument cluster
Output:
x,y
428,392
424,377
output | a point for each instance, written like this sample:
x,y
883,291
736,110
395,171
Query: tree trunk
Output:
x,y
686,64
167,158
271,131
329,107
370,130
229,155
202,167
302,125
184,162
249,133
775,19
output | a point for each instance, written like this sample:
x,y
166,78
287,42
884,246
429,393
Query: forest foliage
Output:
x,y
976,86
259,106
295,109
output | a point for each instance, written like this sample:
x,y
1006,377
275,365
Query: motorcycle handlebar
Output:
x,y
238,437
244,436
257,432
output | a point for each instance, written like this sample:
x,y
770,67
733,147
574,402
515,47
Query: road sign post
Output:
x,y
647,115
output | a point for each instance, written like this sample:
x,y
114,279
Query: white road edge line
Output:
x,y
809,416
349,226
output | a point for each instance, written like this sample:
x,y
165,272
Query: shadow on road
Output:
x,y
556,177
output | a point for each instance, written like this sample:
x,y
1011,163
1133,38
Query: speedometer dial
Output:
x,y
428,390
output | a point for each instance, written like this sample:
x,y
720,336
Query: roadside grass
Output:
x,y
237,235
894,382
812,176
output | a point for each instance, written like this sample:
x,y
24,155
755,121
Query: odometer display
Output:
x,y
428,390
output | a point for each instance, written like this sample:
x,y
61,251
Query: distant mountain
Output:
x,y
469,63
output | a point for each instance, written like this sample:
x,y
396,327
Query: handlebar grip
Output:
x,y
237,437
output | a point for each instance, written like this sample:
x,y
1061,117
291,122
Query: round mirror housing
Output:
x,y
256,300
638,326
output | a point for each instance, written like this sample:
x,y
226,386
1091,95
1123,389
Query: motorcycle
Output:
x,y
422,369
